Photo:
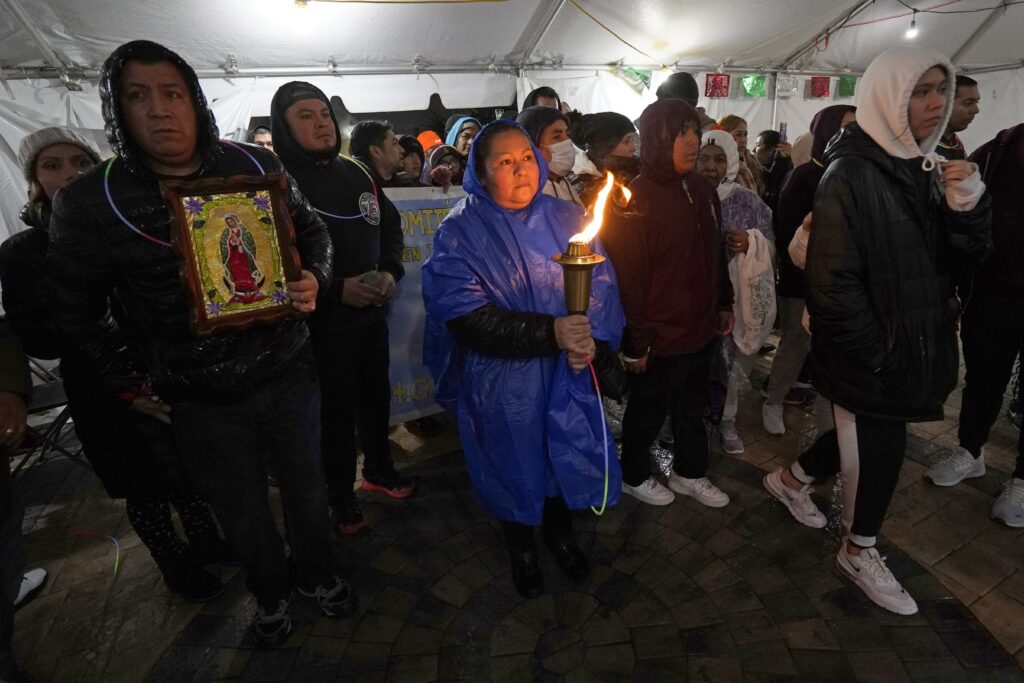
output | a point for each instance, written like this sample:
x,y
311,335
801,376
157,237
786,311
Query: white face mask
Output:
x,y
563,156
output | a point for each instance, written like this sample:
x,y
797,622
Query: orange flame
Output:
x,y
590,232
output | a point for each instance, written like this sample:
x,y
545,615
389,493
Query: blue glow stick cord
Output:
x,y
131,226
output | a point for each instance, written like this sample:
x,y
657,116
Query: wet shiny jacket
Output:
x,y
93,254
879,281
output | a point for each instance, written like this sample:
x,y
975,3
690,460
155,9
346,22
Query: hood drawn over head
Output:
x,y
284,142
453,128
883,97
824,127
148,52
472,183
720,138
660,123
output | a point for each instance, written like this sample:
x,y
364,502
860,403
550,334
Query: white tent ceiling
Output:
x,y
391,55
263,34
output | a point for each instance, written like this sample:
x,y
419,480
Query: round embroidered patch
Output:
x,y
369,208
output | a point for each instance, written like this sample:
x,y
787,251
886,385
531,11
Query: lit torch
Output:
x,y
578,261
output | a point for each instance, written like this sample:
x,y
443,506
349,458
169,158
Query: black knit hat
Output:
x,y
680,86
600,133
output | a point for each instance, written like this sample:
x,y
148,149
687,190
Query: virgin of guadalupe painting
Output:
x,y
236,244
242,275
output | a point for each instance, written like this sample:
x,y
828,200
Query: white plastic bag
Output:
x,y
753,281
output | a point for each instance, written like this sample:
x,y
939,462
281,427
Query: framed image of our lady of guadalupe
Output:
x,y
236,243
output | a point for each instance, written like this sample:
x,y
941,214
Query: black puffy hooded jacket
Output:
x,y
879,276
94,254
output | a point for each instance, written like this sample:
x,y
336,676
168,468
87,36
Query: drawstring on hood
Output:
x,y
124,146
285,146
883,99
719,138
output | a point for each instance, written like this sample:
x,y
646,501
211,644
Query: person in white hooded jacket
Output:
x,y
893,221
742,212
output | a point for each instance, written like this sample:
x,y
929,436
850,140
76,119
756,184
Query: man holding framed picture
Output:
x,y
237,397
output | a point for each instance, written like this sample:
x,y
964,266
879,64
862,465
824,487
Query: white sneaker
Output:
x,y
869,572
956,467
701,490
652,492
731,441
771,416
1008,508
798,502
30,583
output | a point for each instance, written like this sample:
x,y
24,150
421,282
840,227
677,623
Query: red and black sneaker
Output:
x,y
394,485
348,516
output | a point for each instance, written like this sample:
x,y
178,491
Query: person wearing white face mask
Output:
x,y
549,129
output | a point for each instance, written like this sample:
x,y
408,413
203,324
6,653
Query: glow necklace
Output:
x,y
131,226
373,184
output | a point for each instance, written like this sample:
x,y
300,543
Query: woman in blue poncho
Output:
x,y
509,360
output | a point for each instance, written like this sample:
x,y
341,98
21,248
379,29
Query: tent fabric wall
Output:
x,y
29,105
1002,101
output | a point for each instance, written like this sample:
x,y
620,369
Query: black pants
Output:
x,y
11,559
557,524
226,448
676,386
869,452
150,517
356,391
993,336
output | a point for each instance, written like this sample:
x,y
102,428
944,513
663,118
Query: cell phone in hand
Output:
x,y
783,131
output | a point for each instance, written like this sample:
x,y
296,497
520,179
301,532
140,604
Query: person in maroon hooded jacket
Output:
x,y
669,256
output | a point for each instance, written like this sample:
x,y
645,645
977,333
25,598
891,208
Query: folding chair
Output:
x,y
47,439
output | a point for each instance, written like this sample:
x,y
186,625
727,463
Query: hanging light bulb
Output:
x,y
912,31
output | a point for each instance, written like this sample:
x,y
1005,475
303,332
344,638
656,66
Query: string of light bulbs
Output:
x,y
912,32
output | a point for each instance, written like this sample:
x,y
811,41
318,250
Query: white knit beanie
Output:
x,y
36,142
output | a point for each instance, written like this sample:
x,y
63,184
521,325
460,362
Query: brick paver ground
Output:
x,y
677,593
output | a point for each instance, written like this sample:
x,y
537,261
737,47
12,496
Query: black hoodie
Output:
x,y
94,255
371,235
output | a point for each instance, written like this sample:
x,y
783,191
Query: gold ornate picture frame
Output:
x,y
236,243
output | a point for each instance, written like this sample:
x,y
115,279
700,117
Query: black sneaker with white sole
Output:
x,y
271,625
335,597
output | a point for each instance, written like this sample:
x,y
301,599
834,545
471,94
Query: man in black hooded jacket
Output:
x,y
350,330
234,399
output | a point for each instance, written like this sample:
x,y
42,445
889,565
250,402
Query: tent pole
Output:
x,y
92,74
979,33
775,98
48,52
1012,66
809,45
542,31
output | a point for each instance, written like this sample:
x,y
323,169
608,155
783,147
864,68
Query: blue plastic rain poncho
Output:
x,y
530,427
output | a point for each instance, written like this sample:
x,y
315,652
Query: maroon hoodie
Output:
x,y
666,246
